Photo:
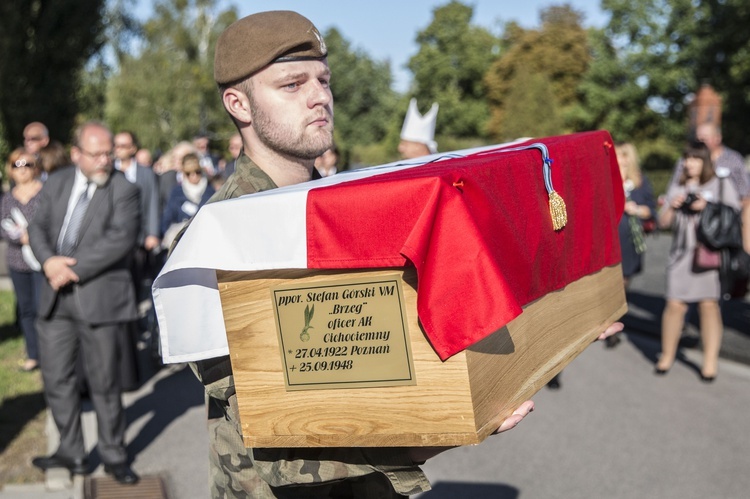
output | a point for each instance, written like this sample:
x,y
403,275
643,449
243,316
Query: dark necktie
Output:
x,y
70,239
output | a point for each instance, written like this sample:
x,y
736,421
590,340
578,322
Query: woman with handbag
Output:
x,y
691,278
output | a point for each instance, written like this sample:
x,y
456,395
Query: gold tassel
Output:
x,y
557,211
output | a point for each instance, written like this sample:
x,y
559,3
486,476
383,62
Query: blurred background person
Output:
x,y
696,185
144,157
640,206
143,265
51,157
726,162
161,164
35,136
170,166
126,146
418,132
24,270
327,163
209,161
235,148
185,199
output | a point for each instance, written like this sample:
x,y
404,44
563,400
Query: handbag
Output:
x,y
720,225
705,258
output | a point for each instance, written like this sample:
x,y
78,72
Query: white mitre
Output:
x,y
418,128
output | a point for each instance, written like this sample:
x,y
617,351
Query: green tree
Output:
x,y
723,42
165,92
653,42
363,112
670,47
532,106
610,98
44,45
121,32
453,57
557,53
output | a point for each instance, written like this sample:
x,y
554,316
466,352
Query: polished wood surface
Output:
x,y
457,402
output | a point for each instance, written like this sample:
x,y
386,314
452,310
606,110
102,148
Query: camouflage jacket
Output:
x,y
284,467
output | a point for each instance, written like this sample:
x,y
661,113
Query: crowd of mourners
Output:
x,y
707,174
173,186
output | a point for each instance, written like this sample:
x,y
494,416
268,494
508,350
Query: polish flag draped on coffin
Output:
x,y
475,224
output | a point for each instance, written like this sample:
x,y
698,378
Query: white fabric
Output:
x,y
15,227
194,192
131,172
261,231
419,128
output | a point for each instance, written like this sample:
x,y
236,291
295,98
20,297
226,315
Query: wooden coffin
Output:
x,y
442,403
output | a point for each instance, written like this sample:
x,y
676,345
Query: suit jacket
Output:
x,y
229,168
146,180
167,181
106,242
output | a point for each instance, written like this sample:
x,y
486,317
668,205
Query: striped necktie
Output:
x,y
70,239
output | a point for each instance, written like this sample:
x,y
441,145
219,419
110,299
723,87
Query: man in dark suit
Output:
x,y
144,265
83,233
126,146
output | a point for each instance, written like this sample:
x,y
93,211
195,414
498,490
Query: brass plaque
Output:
x,y
346,333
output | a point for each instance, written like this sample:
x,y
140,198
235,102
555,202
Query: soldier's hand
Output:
x,y
613,329
422,454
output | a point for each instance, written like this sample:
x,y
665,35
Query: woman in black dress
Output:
x,y
640,208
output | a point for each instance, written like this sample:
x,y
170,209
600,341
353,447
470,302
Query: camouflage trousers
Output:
x,y
239,472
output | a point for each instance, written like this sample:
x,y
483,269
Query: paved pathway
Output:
x,y
613,430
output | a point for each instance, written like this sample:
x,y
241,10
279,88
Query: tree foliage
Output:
x,y
363,112
531,108
44,45
165,92
670,47
537,66
453,57
610,98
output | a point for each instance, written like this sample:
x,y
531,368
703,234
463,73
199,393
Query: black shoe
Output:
x,y
122,473
708,379
554,383
79,465
612,341
660,372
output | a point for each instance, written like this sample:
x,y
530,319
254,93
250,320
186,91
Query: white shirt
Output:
x,y
131,172
79,184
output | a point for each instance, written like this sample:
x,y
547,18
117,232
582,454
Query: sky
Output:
x,y
387,29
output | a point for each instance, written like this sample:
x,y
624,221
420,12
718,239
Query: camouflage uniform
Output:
x,y
236,471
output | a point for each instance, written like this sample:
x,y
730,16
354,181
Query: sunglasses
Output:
x,y
20,163
194,172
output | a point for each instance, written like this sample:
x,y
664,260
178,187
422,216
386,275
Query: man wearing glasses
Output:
x,y
83,234
144,265
35,137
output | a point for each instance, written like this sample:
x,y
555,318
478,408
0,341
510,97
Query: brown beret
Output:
x,y
253,42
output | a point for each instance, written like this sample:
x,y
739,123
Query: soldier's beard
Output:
x,y
284,139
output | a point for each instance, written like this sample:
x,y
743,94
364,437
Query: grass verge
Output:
x,y
22,414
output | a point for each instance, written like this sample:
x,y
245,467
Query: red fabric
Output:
x,y
477,229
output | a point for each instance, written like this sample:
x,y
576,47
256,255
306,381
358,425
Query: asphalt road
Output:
x,y
613,429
